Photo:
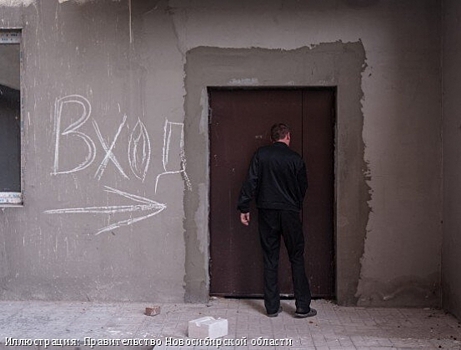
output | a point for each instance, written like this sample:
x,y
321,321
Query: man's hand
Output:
x,y
245,218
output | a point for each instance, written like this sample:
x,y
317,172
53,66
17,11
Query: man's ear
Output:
x,y
288,138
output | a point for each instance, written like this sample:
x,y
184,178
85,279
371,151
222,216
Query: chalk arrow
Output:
x,y
146,205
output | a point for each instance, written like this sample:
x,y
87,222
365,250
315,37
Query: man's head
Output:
x,y
280,133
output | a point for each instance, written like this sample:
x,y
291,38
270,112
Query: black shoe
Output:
x,y
275,314
300,313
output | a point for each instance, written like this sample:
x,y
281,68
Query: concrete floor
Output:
x,y
72,325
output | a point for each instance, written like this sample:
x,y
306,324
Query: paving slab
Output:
x,y
89,325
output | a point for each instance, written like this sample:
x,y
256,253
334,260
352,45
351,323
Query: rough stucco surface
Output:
x,y
402,137
451,263
15,3
84,51
133,61
337,64
12,3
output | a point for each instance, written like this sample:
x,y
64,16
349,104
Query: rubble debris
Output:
x,y
152,311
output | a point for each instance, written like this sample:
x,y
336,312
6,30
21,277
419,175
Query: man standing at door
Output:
x,y
277,179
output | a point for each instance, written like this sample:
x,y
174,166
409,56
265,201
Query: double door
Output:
x,y
240,122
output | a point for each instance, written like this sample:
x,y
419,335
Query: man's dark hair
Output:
x,y
279,131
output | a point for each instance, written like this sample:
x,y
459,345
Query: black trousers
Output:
x,y
273,224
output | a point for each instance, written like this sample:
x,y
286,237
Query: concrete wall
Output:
x,y
451,263
151,62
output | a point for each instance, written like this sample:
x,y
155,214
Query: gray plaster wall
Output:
x,y
451,263
74,238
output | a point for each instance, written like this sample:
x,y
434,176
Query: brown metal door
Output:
x,y
240,121
318,213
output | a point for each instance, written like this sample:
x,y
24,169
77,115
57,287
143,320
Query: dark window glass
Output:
x,y
10,119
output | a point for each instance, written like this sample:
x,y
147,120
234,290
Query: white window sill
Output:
x,y
11,199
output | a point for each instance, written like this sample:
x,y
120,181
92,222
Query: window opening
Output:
x,y
10,118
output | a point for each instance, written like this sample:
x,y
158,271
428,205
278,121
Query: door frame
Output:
x,y
337,64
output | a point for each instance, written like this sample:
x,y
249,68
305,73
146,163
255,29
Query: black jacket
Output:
x,y
277,179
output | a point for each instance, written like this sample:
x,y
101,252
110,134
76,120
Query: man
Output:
x,y
277,179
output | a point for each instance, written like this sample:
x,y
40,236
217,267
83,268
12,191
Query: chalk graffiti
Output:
x,y
170,129
109,154
139,145
139,151
139,157
71,130
146,205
